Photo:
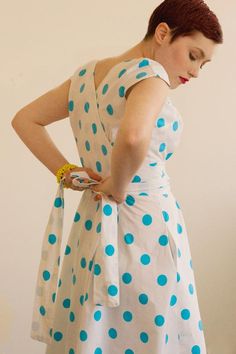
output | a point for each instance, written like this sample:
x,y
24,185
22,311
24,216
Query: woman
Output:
x,y
127,283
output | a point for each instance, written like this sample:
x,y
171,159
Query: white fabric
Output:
x,y
127,283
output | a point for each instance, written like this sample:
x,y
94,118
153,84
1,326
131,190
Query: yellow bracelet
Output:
x,y
63,169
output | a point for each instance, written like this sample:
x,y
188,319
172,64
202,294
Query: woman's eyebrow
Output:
x,y
202,53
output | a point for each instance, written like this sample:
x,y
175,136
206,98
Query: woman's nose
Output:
x,y
194,72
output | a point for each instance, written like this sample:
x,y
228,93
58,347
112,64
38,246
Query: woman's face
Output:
x,y
183,58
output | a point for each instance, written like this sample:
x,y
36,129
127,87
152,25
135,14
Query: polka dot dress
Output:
x,y
126,284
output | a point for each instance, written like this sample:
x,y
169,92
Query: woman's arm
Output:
x,y
143,106
29,124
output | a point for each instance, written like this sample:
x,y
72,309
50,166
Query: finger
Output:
x,y
97,197
93,175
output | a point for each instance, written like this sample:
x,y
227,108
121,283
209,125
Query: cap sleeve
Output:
x,y
142,69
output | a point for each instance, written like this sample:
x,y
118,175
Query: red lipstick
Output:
x,y
183,80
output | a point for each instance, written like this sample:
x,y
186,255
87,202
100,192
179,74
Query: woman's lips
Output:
x,y
183,80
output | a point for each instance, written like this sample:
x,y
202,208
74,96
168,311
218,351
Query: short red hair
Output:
x,y
184,17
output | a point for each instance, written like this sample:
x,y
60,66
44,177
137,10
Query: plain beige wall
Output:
x,y
42,45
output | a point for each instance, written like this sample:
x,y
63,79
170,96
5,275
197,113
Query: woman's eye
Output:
x,y
191,57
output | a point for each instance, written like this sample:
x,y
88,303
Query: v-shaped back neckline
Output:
x,y
106,77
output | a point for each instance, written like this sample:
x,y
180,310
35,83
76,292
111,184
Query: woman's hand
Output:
x,y
68,179
106,187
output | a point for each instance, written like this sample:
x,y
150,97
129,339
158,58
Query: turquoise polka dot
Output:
x,y
81,89
82,72
109,250
71,351
90,265
77,217
98,351
179,228
179,253
173,300
104,89
143,299
129,238
46,275
127,278
83,335
87,145
66,303
141,75
177,204
94,128
71,106
86,107
98,166
121,73
112,333
81,299
110,110
127,316
52,239
169,155
161,122
59,283
72,316
97,269
112,290
145,259
99,227
162,280
143,63
122,91
178,277
42,310
162,147
58,336
185,314
144,337
97,315
159,320
191,263
165,215
136,179
200,326
196,349
83,262
163,240
175,126
130,200
166,338
53,297
58,202
67,250
88,224
147,219
107,210
104,150
129,351
191,289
